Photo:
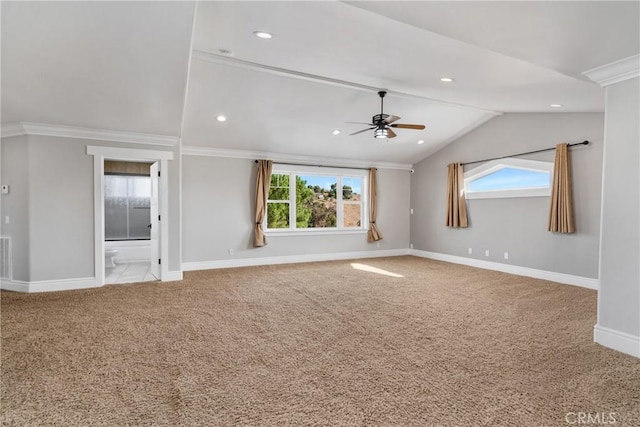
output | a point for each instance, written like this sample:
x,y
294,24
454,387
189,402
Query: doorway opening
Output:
x,y
128,223
131,214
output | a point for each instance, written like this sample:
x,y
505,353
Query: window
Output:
x,y
509,178
127,207
307,200
351,201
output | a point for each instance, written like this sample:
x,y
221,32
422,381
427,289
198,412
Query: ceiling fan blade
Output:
x,y
360,131
391,133
391,119
407,126
362,123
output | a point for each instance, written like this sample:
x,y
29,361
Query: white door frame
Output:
x,y
100,153
154,210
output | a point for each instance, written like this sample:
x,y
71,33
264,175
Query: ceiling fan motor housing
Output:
x,y
379,118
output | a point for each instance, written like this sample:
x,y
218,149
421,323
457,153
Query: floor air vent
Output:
x,y
5,257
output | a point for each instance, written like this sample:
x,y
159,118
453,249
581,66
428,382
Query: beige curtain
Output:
x,y
374,234
561,209
456,203
262,194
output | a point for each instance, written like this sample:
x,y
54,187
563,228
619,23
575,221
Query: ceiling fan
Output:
x,y
383,123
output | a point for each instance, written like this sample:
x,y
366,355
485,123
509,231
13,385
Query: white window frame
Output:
x,y
339,173
496,165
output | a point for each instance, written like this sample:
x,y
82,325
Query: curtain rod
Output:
x,y
319,166
523,154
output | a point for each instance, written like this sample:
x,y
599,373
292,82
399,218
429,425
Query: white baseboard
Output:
x,y
584,282
49,285
172,276
65,284
290,259
617,340
62,285
14,285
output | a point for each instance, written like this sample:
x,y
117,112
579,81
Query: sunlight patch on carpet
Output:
x,y
370,269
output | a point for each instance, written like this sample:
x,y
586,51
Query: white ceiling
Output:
x,y
107,65
567,36
123,66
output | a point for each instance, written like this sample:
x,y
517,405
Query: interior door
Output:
x,y
155,220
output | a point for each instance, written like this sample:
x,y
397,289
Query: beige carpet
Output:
x,y
314,344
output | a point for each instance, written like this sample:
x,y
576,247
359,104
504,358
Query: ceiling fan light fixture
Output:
x,y
383,125
381,133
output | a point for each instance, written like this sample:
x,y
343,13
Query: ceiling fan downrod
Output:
x,y
382,93
378,119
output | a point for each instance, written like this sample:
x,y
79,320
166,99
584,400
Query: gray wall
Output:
x,y
15,205
55,177
218,212
515,225
619,296
60,209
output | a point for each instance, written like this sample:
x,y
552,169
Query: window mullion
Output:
x,y
339,209
129,191
364,203
293,223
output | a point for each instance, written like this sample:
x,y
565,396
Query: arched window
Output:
x,y
509,178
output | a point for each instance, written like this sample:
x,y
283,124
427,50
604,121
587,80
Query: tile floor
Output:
x,y
131,272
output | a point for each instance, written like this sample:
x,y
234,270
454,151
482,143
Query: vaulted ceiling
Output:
x,y
170,68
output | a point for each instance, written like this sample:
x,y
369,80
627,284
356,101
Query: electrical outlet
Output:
x,y
230,251
470,251
377,244
506,255
411,211
411,246
5,189
486,253
6,219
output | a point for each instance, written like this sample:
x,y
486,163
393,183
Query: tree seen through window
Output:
x,y
316,201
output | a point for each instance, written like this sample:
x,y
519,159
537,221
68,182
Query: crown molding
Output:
x,y
12,129
615,72
27,128
282,157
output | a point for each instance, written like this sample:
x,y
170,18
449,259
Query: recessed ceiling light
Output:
x,y
262,34
221,118
421,141
446,79
555,105
336,132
